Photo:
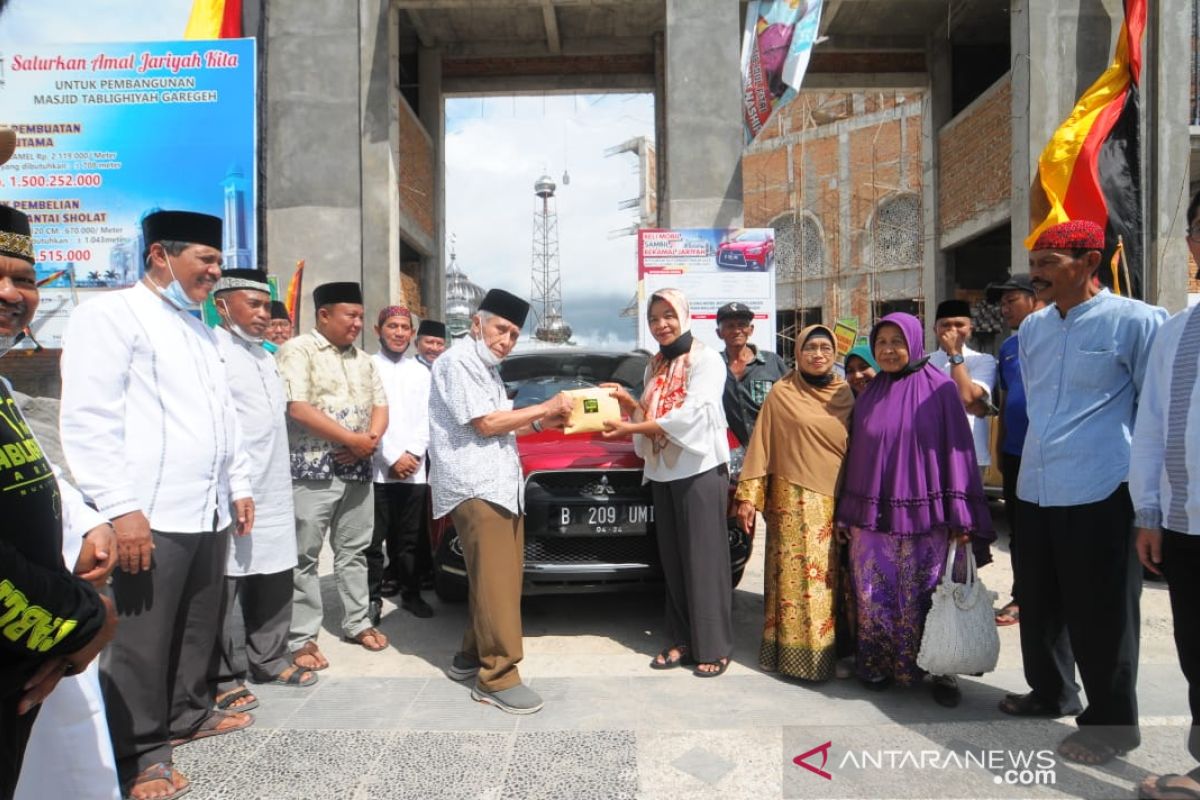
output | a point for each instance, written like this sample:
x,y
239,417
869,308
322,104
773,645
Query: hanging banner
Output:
x,y
712,267
776,47
108,132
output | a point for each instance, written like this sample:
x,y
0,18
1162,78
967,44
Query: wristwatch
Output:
x,y
536,425
956,359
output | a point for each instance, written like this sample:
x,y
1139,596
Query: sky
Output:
x,y
497,147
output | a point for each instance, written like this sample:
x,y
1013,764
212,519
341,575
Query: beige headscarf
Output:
x,y
803,430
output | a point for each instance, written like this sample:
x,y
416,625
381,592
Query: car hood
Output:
x,y
743,245
551,450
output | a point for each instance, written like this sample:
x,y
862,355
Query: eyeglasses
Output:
x,y
817,349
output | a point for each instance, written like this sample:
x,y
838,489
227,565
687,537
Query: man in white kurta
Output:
x,y
151,436
399,467
258,570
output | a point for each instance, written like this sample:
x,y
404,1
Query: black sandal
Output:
x,y
1028,705
1098,752
721,665
664,661
1155,787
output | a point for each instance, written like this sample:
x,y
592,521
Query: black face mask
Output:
x,y
817,380
676,348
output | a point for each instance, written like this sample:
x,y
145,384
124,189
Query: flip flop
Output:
x,y
311,650
209,727
361,637
1100,751
160,771
225,702
671,663
1009,615
1155,787
295,677
1029,705
720,664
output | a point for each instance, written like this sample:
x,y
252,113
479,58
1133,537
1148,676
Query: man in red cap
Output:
x,y
1083,360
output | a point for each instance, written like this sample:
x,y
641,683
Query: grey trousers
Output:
x,y
155,672
347,510
693,544
254,633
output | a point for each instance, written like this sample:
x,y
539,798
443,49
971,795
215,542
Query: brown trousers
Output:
x,y
493,543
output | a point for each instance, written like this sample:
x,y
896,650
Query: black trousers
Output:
x,y
254,630
1010,467
693,544
1181,567
14,735
154,674
399,517
1081,583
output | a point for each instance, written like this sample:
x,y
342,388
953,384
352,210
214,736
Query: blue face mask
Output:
x,y
269,346
174,293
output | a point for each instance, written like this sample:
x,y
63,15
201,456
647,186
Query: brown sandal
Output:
x,y
381,641
211,726
317,662
162,771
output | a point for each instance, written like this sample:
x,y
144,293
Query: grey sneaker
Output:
x,y
520,699
462,667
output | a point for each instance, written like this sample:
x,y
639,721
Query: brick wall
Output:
x,y
416,171
975,159
33,372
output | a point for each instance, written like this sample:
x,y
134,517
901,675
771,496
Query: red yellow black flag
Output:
x,y
1091,168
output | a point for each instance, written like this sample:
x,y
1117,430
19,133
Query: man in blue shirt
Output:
x,y
1083,360
1165,488
1017,301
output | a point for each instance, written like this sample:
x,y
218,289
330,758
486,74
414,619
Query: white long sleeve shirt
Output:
x,y
982,369
696,430
147,418
406,382
1164,459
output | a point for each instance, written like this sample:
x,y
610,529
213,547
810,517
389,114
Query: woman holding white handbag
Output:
x,y
911,487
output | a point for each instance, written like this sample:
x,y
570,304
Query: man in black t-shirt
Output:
x,y
51,622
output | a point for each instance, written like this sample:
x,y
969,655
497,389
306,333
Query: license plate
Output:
x,y
603,518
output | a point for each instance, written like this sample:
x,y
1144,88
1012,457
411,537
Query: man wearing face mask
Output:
x,y
258,570
399,467
477,480
151,434
431,341
337,411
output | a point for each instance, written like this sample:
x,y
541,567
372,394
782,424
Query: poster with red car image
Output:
x,y
712,267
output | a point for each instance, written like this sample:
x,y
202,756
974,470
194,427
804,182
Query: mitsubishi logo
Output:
x,y
597,490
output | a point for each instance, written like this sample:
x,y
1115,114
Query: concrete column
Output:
x,y
703,159
1166,81
377,168
433,117
312,192
936,267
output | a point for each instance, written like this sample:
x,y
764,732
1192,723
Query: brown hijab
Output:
x,y
802,431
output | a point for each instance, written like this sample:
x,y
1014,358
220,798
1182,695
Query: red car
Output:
x,y
749,249
589,520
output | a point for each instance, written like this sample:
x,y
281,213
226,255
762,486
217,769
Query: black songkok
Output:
x,y
506,305
340,292
431,327
15,239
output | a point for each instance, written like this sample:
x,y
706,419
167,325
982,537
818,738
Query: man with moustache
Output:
x,y
752,372
151,435
431,341
399,468
1083,361
477,480
53,623
337,411
279,329
1017,301
258,570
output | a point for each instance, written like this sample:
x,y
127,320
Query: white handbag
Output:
x,y
960,630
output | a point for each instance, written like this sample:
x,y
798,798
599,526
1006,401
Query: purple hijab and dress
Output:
x,y
911,478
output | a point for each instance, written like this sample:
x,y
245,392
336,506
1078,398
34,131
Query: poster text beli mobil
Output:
x,y
109,132
712,267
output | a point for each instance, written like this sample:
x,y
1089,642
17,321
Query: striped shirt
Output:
x,y
1165,492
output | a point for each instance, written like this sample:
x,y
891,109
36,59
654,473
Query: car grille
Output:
x,y
623,482
585,550
732,257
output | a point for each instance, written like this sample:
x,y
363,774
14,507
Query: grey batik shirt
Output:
x,y
466,465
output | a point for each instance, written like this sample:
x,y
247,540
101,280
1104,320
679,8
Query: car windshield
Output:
x,y
534,377
752,236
